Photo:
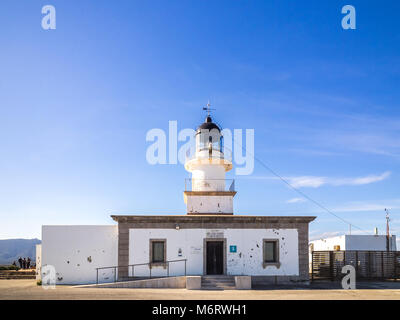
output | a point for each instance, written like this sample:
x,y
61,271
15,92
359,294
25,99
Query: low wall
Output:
x,y
243,282
259,281
193,282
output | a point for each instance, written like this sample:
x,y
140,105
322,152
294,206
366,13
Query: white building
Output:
x,y
354,242
208,240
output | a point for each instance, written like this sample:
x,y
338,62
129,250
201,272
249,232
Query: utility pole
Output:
x,y
387,230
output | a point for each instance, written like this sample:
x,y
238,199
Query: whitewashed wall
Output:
x,y
248,260
209,172
329,243
76,252
210,204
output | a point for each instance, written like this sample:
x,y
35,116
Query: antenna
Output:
x,y
208,109
387,229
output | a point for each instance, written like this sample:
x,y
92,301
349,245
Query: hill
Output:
x,y
12,249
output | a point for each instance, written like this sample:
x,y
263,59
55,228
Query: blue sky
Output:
x,y
76,103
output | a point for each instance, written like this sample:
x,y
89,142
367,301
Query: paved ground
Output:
x,y
27,289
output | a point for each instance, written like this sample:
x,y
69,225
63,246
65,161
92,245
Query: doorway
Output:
x,y
214,257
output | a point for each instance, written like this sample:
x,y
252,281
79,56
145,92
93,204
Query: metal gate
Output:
x,y
368,264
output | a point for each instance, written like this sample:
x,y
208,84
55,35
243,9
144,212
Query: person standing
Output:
x,y
28,263
24,263
20,262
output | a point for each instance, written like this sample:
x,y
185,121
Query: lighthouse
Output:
x,y
208,243
208,192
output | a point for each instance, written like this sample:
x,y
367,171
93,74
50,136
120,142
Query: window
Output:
x,y
206,138
158,251
270,252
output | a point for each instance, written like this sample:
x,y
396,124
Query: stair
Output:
x,y
17,275
218,282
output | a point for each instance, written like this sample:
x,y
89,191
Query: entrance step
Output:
x,y
218,282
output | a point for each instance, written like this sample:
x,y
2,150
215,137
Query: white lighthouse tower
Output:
x,y
208,192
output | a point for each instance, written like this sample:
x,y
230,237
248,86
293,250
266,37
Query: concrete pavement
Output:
x,y
27,289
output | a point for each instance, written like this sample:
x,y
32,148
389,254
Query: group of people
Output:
x,y
24,263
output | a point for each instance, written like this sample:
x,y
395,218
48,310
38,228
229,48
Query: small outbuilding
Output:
x,y
355,242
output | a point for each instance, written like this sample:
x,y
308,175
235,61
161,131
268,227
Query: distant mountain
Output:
x,y
12,249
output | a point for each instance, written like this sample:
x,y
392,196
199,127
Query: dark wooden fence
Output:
x,y
368,264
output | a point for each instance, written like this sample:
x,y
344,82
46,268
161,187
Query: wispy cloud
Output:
x,y
380,143
315,182
307,181
339,132
296,200
318,181
330,234
369,206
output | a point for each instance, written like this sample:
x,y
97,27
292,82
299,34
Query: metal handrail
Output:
x,y
138,264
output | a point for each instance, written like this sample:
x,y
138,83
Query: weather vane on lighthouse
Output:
x,y
208,109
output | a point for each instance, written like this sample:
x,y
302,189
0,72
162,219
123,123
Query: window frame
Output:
x,y
158,263
275,263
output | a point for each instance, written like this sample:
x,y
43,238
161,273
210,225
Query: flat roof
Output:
x,y
212,218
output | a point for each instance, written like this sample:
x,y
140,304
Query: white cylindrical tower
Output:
x,y
210,192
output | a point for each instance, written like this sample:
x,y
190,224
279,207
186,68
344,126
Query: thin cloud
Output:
x,y
363,180
295,200
369,206
307,181
316,181
331,234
